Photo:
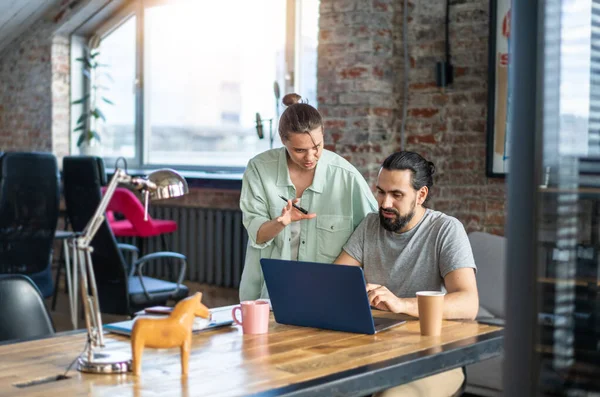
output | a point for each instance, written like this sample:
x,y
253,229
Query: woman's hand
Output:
x,y
290,214
272,228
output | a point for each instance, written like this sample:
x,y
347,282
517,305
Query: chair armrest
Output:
x,y
139,265
135,253
128,247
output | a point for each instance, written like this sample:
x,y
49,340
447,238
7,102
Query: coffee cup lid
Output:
x,y
431,293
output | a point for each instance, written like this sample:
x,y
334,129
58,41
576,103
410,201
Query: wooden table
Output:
x,y
287,361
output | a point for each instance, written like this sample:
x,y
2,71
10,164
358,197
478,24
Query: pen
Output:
x,y
295,206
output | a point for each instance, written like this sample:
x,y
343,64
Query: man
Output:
x,y
406,248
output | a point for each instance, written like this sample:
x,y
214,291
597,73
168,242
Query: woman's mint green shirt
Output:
x,y
339,195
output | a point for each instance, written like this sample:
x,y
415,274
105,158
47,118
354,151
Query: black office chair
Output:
x,y
29,205
23,314
122,289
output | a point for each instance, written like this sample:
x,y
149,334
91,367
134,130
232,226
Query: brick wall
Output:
x,y
34,86
61,107
25,92
361,72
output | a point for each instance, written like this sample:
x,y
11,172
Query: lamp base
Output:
x,y
104,362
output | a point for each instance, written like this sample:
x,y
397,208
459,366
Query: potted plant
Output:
x,y
89,123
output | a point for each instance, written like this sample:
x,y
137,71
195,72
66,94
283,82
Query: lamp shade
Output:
x,y
169,184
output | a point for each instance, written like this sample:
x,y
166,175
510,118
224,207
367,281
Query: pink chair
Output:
x,y
125,202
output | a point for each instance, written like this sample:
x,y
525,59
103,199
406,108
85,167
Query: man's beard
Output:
x,y
395,224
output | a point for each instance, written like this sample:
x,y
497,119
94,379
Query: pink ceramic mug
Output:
x,y
255,316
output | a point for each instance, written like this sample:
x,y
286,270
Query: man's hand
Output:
x,y
381,298
289,214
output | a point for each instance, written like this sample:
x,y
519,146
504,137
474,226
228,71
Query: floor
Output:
x,y
211,296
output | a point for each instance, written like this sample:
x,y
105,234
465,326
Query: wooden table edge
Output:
x,y
360,381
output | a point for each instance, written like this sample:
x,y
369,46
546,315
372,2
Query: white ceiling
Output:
x,y
16,16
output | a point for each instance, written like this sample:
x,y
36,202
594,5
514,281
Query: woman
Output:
x,y
334,193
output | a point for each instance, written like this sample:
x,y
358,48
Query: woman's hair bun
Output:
x,y
290,99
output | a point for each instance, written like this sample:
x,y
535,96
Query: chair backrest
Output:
x,y
29,206
23,314
83,177
126,202
489,254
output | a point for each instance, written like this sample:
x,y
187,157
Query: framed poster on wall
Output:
x,y
498,136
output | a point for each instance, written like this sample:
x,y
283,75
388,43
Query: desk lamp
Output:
x,y
159,185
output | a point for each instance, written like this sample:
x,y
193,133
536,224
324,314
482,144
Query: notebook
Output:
x,y
220,317
321,295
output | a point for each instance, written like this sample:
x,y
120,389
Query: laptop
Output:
x,y
321,295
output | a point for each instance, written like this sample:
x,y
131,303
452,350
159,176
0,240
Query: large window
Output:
x,y
190,76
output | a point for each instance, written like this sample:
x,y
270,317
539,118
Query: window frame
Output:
x,y
116,18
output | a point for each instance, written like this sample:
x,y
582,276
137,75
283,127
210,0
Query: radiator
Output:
x,y
214,242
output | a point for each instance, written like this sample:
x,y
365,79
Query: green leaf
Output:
x,y
94,134
94,54
86,61
82,117
98,114
81,127
101,114
108,101
81,100
80,139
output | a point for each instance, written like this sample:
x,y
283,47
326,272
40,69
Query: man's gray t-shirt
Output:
x,y
416,260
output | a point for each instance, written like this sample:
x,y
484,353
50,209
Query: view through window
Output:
x,y
207,72
117,52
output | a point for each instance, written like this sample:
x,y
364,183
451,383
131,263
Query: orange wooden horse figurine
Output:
x,y
172,331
